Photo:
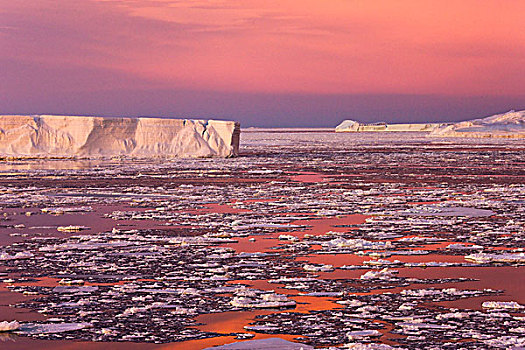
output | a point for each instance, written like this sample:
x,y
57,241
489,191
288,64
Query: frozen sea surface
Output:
x,y
364,241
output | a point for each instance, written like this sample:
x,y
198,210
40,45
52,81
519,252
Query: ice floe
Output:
x,y
263,344
512,305
42,328
495,257
6,326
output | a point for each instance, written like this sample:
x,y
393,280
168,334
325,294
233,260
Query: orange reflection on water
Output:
x,y
325,224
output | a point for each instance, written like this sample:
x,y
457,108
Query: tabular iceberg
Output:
x,y
505,125
355,126
65,136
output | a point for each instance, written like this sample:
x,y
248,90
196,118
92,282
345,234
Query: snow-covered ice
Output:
x,y
506,125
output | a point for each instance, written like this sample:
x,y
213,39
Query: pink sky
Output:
x,y
320,47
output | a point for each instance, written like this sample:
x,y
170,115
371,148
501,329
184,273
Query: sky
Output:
x,y
264,62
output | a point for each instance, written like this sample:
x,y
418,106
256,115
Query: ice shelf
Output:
x,y
86,136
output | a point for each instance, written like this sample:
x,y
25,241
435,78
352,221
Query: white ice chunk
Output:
x,y
384,274
488,257
318,268
72,228
265,301
40,328
502,305
461,246
417,326
75,289
19,255
9,326
362,334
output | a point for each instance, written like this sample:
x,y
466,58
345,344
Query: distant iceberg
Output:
x,y
355,126
505,125
67,136
347,126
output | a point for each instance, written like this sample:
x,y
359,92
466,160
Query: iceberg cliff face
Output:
x,y
51,135
505,125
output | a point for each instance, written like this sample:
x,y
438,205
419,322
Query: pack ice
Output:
x,y
506,125
65,136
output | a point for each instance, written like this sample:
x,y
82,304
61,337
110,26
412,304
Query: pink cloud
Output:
x,y
287,46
